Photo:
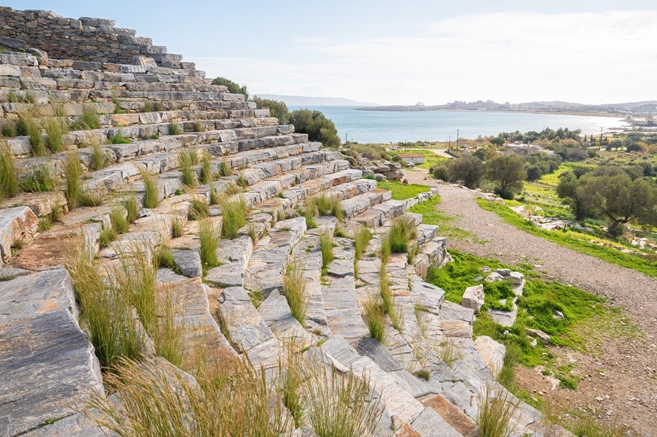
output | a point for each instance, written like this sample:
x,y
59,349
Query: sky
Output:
x,y
404,52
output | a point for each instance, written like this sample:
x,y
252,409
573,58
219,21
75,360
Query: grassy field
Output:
x,y
430,160
576,241
402,191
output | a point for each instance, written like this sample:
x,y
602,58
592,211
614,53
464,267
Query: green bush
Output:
x,y
118,138
316,125
276,108
401,232
233,87
174,129
88,120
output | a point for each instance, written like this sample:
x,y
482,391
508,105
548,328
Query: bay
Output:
x,y
398,126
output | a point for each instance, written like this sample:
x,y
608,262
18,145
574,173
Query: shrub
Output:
x,y
8,179
132,207
174,129
234,216
276,108
187,158
176,227
294,285
316,125
206,169
375,320
326,244
440,172
233,87
73,176
198,210
209,237
468,170
151,188
55,129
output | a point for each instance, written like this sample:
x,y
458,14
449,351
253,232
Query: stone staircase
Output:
x,y
163,109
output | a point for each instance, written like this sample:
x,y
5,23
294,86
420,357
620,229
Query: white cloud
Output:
x,y
517,56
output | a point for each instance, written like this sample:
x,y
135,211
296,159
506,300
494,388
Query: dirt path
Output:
x,y
627,370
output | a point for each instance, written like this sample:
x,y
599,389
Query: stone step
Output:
x,y
276,313
234,256
308,255
48,365
246,329
270,258
363,202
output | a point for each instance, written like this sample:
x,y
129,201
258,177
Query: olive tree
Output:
x,y
507,172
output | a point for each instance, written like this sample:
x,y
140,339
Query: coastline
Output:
x,y
574,113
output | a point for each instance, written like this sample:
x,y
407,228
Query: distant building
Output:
x,y
412,158
525,150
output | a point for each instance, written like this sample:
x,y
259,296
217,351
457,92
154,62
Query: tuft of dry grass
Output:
x,y
496,411
176,227
55,129
73,176
375,320
209,235
234,212
294,285
187,159
326,244
8,179
151,188
329,205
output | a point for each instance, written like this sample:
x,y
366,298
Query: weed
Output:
x,y
131,205
423,374
256,298
209,237
45,223
55,129
234,216
176,227
198,126
118,219
8,180
118,138
168,334
309,211
401,232
496,411
98,158
214,195
401,191
206,169
164,257
151,188
33,130
294,285
88,120
198,210
375,320
329,205
8,129
186,161
326,244
107,235
174,129
73,176
224,168
449,353
361,240
253,233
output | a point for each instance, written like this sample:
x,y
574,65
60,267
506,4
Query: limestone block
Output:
x,y
491,352
473,298
189,262
10,70
18,223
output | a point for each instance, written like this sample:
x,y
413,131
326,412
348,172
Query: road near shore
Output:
x,y
629,367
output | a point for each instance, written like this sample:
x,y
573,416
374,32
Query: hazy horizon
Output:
x,y
590,52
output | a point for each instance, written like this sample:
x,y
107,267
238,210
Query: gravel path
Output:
x,y
633,364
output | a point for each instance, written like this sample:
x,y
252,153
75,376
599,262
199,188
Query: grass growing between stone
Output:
x,y
209,236
401,191
568,239
151,189
187,159
294,285
326,245
536,310
362,238
73,176
329,205
496,411
234,212
375,319
8,178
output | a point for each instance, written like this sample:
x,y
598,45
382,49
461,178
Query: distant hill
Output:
x,y
616,109
315,101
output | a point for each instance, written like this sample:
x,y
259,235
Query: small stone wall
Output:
x,y
87,39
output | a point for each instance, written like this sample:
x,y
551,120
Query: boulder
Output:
x,y
16,224
473,298
189,262
545,338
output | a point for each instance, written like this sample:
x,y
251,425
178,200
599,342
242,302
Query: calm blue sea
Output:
x,y
384,126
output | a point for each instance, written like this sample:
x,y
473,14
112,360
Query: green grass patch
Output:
x,y
401,191
430,158
574,241
432,216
